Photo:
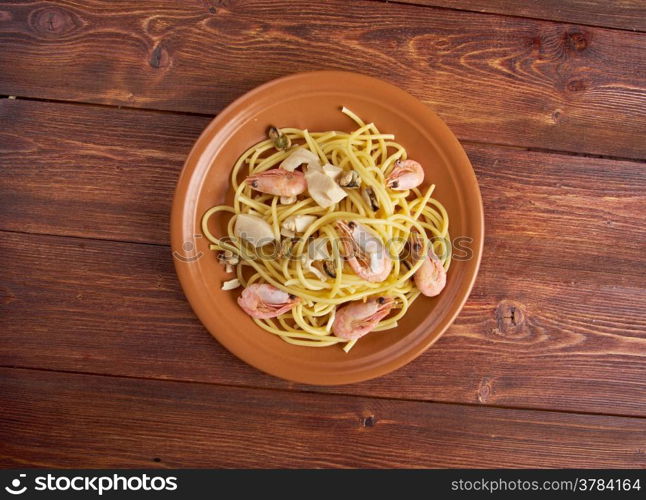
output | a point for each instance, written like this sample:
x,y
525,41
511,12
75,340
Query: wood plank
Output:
x,y
564,251
625,14
91,171
63,420
111,173
116,308
493,78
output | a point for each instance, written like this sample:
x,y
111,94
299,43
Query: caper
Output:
x,y
280,140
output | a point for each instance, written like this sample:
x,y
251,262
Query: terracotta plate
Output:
x,y
312,101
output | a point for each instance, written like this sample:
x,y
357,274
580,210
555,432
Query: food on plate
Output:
x,y
333,235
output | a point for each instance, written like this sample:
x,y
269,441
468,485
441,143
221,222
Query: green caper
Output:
x,y
280,140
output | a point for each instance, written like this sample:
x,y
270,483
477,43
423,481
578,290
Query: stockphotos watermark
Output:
x,y
266,249
98,484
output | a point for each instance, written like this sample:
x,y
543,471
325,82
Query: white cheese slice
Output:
x,y
231,284
322,188
332,170
296,224
253,229
298,157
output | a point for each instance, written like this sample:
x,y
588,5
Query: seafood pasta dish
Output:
x,y
331,235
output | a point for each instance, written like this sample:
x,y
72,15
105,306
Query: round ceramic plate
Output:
x,y
313,101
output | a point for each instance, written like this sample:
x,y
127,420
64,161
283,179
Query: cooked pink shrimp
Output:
x,y
407,174
358,318
278,182
264,301
365,253
430,278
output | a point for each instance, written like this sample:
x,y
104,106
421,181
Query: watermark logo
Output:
x,y
99,484
297,249
15,488
188,253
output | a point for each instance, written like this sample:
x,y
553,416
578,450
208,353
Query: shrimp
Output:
x,y
358,318
430,278
407,174
262,301
365,253
278,182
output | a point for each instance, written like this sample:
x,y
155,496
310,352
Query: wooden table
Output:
x,y
104,364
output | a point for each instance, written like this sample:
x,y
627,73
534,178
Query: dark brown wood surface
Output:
x,y
498,79
566,286
544,366
623,14
119,422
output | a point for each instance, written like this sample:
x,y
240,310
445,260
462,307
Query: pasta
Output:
x,y
321,287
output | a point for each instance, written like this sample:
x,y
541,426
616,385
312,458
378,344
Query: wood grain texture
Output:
x,y
65,420
623,14
91,171
110,173
115,308
492,78
556,319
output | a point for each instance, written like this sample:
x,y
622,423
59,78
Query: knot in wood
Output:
x,y
369,421
511,319
485,389
53,21
577,41
159,57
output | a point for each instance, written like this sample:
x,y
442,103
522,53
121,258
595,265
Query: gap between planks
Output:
x,y
514,16
108,106
324,394
87,238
